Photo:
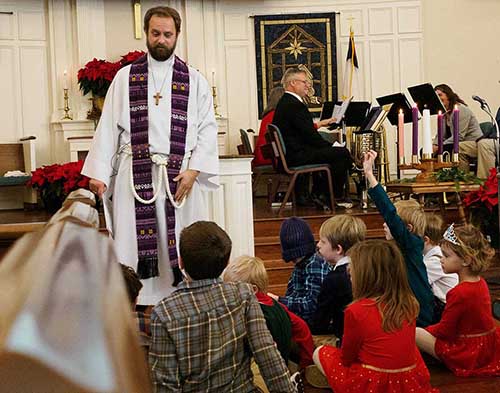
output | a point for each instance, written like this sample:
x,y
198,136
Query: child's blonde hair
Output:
x,y
472,246
411,212
378,272
344,230
434,227
247,269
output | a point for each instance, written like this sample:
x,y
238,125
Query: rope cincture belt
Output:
x,y
162,161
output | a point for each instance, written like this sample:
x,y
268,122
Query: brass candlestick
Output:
x,y
428,166
214,97
66,106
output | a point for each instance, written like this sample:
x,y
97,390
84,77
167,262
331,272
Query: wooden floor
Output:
x,y
266,228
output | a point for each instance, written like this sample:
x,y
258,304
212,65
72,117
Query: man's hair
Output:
x,y
164,12
344,230
204,248
434,227
290,74
411,212
132,282
250,270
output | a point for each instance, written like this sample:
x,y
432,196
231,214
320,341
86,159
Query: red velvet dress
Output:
x,y
259,159
467,340
372,360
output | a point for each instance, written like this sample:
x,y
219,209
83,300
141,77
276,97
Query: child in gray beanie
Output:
x,y
298,246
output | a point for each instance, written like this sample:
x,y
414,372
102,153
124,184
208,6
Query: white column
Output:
x,y
231,206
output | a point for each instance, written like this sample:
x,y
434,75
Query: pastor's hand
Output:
x,y
185,183
97,187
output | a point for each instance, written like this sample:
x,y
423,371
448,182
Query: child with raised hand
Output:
x,y
405,223
440,282
466,339
378,352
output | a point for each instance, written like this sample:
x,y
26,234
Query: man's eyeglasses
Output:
x,y
307,82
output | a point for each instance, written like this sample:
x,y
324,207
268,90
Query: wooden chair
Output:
x,y
258,171
280,165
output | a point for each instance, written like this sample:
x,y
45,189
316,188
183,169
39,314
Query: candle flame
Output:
x,y
439,113
65,72
400,111
456,107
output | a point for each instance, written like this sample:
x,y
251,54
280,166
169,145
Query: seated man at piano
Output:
x,y
304,145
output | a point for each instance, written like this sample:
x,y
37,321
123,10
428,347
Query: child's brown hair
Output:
x,y
411,212
378,272
247,269
434,227
472,247
344,230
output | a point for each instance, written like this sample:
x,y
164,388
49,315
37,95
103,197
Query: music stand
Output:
x,y
426,98
399,101
356,113
327,110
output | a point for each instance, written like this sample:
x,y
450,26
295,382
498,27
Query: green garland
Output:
x,y
455,175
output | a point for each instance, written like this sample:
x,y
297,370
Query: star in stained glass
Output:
x,y
295,48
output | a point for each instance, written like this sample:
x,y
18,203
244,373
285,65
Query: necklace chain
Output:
x,y
154,81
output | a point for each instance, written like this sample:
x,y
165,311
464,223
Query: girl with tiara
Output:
x,y
466,339
378,352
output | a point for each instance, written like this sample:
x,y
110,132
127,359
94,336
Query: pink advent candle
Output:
x,y
456,116
440,132
401,129
414,115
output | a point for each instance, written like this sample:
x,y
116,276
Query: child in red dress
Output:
x,y
378,352
466,339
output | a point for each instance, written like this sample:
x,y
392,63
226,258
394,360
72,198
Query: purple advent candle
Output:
x,y
440,132
456,116
414,113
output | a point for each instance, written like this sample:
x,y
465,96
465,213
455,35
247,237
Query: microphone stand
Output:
x,y
486,108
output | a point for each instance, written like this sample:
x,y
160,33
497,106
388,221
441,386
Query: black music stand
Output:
x,y
426,98
356,113
400,102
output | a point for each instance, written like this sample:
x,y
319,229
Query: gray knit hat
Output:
x,y
296,239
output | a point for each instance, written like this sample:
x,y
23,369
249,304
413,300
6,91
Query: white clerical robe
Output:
x,y
108,163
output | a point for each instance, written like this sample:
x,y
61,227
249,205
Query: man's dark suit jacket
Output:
x,y
297,127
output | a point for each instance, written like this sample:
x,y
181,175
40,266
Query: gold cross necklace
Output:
x,y
158,95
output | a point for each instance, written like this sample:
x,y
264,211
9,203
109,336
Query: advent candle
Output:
x,y
426,134
440,132
456,115
65,80
401,131
414,115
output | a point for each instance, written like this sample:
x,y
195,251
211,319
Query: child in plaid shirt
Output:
x,y
205,333
298,245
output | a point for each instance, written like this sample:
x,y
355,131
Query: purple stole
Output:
x,y
145,214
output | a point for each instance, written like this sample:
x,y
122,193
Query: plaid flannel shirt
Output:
x,y
203,339
304,286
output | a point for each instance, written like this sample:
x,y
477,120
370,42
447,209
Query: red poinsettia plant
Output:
x,y
55,182
486,196
97,75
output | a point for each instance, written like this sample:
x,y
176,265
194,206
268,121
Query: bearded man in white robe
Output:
x,y
174,114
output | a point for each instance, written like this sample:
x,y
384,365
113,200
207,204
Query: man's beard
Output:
x,y
160,52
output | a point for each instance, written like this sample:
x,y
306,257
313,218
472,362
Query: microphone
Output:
x,y
480,100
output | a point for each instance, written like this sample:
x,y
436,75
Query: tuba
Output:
x,y
364,140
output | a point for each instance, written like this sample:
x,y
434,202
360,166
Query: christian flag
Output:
x,y
351,78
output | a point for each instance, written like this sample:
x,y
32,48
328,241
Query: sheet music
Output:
x,y
339,110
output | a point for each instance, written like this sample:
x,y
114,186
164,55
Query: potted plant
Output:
x,y
55,182
483,207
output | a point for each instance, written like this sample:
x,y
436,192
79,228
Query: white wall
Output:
x,y
462,50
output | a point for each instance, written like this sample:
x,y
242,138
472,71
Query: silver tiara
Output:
x,y
451,236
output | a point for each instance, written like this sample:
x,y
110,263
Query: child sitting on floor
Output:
x,y
405,222
298,245
284,325
336,236
378,352
466,339
206,332
440,282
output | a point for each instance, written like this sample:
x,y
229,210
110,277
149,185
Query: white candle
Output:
x,y
426,133
65,79
401,130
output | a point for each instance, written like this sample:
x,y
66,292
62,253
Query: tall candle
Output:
x,y
414,115
456,116
401,131
440,132
65,79
426,134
